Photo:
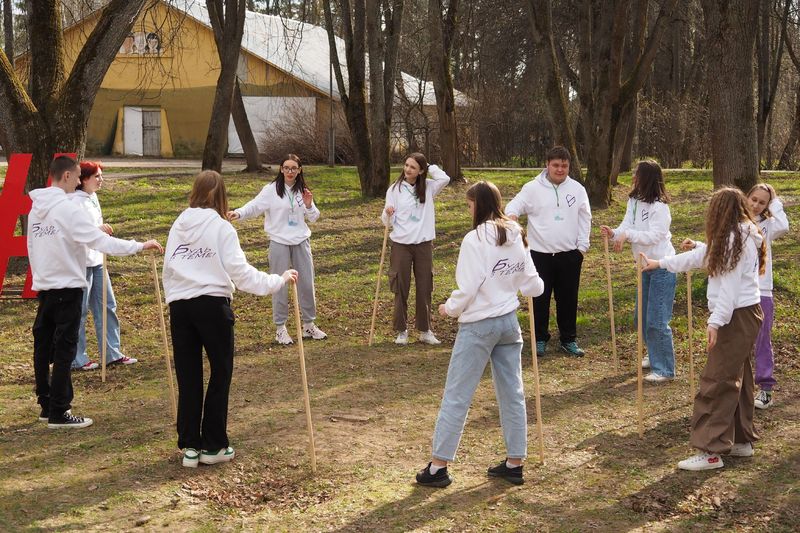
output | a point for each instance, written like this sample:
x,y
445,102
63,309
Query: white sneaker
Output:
x,y
402,337
282,336
191,458
742,449
763,399
222,455
646,361
310,330
655,378
701,461
428,338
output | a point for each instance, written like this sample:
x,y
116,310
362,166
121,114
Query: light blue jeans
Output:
x,y
93,299
658,293
498,340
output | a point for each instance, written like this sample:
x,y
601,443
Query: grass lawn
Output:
x,y
374,408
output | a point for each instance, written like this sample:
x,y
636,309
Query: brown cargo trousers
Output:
x,y
404,258
724,403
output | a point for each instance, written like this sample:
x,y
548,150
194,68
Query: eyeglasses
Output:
x,y
291,169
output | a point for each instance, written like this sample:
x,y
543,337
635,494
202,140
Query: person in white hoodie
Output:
x,y
559,219
86,196
286,204
60,233
646,226
722,418
203,264
493,265
768,211
410,211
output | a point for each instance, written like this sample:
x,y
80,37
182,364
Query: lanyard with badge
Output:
x,y
635,207
294,218
559,214
412,192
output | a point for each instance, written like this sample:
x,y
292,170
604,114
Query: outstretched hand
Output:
x,y
232,215
606,231
107,229
290,276
647,263
153,244
688,244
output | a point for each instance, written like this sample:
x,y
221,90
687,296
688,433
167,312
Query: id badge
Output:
x,y
559,214
293,221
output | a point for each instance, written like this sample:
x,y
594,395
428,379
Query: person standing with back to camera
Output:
x,y
410,211
559,219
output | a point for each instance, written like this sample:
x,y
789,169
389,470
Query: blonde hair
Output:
x,y
208,191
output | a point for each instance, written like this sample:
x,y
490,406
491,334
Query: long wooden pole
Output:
x,y
690,335
311,450
104,349
378,284
539,431
639,347
174,403
611,304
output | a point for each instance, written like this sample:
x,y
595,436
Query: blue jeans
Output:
x,y
658,293
93,299
499,340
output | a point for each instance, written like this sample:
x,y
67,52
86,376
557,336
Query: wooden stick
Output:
x,y
311,450
378,285
611,304
104,349
639,348
536,391
690,337
164,338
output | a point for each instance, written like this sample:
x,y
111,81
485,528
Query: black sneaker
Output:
x,y
68,420
44,415
513,475
440,479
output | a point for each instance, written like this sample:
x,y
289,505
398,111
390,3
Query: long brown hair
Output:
x,y
209,191
419,185
726,211
649,183
489,208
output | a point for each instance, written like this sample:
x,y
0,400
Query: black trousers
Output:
x,y
55,340
561,273
197,323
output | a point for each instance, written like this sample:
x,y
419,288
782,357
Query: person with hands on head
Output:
x,y
86,196
559,220
734,256
646,226
767,210
494,264
60,233
409,209
203,265
287,203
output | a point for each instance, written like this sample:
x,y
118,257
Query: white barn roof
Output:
x,y
301,50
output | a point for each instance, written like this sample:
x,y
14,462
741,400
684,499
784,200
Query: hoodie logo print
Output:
x,y
645,215
43,231
571,200
184,252
504,268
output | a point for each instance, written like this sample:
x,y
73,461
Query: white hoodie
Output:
x,y
284,218
59,232
772,228
488,276
91,205
203,258
414,222
646,225
559,216
732,290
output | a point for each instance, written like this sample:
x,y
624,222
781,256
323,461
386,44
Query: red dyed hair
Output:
x,y
90,168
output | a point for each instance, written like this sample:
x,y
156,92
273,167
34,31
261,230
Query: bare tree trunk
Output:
x,y
541,24
245,132
8,30
732,39
442,28
768,68
52,116
230,19
785,161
